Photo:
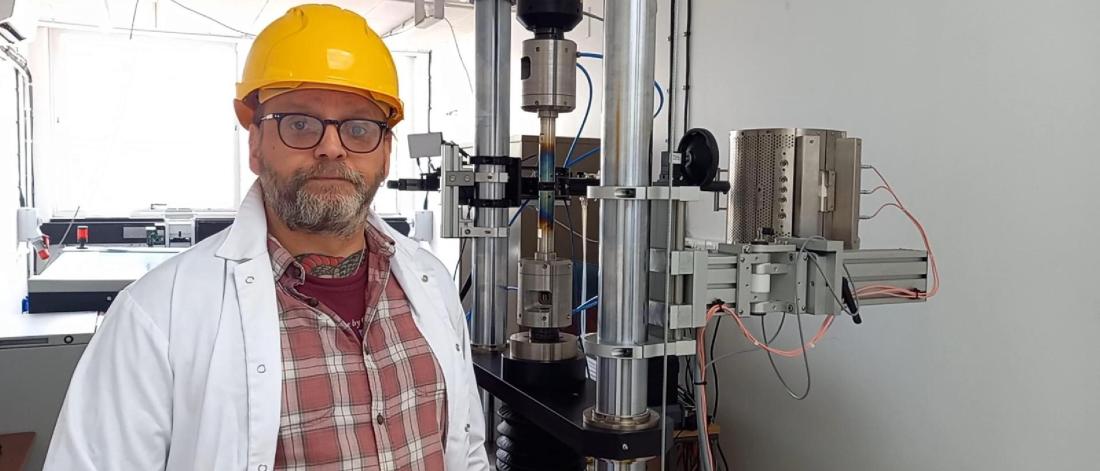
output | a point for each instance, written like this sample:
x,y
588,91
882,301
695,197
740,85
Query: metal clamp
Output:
x,y
468,229
469,177
459,178
676,193
636,352
680,316
683,261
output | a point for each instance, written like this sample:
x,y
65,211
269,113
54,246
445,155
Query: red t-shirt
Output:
x,y
344,296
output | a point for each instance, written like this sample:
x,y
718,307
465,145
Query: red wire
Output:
x,y
701,354
895,291
828,322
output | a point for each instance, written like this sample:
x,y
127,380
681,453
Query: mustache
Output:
x,y
327,170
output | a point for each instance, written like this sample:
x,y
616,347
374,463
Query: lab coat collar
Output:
x,y
247,238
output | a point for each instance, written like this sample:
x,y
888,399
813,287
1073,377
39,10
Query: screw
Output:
x,y
625,447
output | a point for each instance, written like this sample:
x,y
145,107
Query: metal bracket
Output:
x,y
771,306
676,193
828,190
459,178
718,197
470,178
680,316
683,261
466,228
636,352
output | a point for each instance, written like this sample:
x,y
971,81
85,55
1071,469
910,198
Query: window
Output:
x,y
412,75
139,121
147,120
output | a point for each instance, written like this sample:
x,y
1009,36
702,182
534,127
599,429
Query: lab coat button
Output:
x,y
381,420
467,428
261,369
458,348
250,279
424,278
262,467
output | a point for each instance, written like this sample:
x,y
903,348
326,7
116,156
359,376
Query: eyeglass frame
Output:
x,y
325,123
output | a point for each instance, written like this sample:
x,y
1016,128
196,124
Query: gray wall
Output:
x,y
985,116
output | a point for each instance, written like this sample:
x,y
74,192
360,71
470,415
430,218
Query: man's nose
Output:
x,y
330,146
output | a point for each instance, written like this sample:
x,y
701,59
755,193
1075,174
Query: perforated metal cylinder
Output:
x,y
794,182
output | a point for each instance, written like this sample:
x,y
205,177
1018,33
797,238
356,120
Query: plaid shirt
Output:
x,y
373,402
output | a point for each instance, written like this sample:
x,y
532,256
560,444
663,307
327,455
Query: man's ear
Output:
x,y
244,113
387,146
255,140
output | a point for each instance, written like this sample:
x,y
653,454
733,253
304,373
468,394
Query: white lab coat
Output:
x,y
184,373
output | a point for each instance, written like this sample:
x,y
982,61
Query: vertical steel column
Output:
x,y
493,24
629,50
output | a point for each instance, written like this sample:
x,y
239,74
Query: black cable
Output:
x,y
71,221
853,281
260,12
18,134
429,91
722,453
671,72
133,18
461,250
420,166
465,287
573,232
714,368
805,360
458,148
215,20
687,66
714,363
839,303
458,52
689,383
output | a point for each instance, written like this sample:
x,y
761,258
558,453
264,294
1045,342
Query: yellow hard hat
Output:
x,y
318,46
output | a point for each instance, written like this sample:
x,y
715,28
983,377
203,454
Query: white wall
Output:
x,y
13,258
984,115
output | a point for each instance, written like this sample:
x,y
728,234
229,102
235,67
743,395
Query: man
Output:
x,y
309,335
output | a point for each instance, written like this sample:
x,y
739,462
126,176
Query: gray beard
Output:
x,y
305,211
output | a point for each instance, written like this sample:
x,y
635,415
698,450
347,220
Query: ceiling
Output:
x,y
244,15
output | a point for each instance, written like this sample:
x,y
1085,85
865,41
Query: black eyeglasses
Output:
x,y
302,131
